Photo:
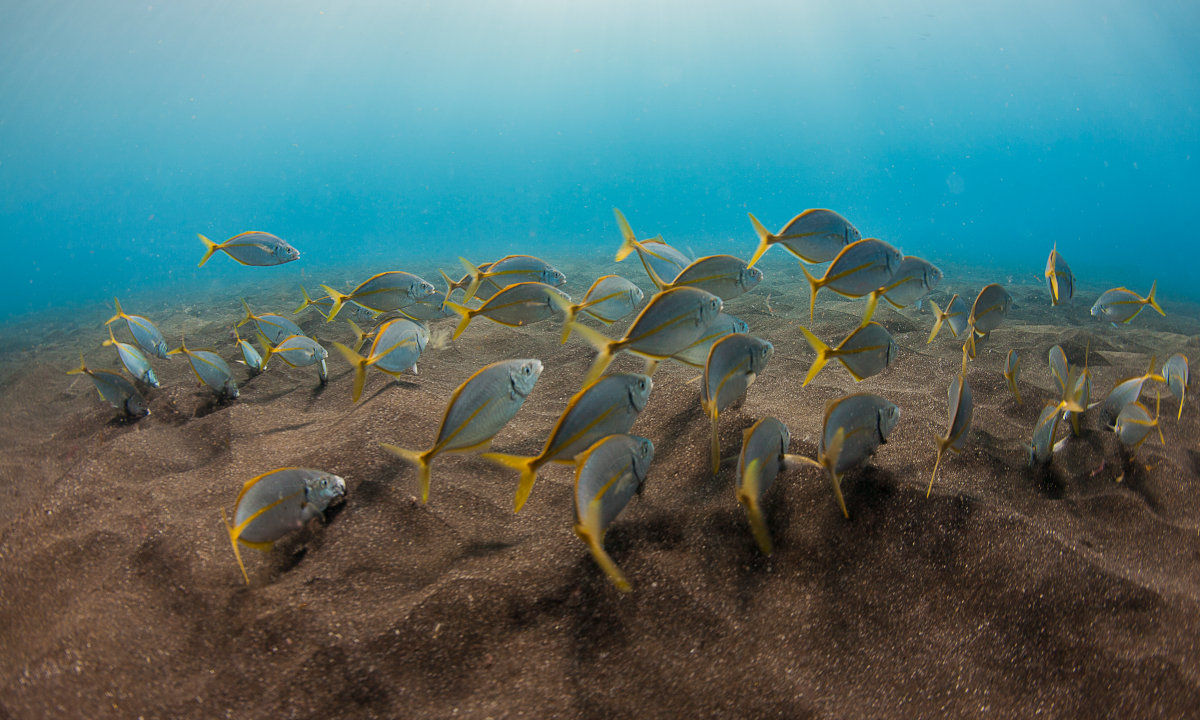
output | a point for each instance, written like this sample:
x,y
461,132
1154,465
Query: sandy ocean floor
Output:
x,y
1011,592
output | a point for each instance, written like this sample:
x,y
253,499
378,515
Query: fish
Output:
x,y
425,311
1079,393
956,313
696,354
297,351
866,352
670,322
133,360
210,369
1012,368
914,279
144,333
854,426
323,305
249,355
517,305
1134,423
733,364
1127,391
608,406
392,290
1122,305
465,281
274,327
1059,280
764,455
276,503
252,248
860,268
725,276
1041,447
397,346
478,409
1175,371
961,407
115,389
1059,367
656,255
610,298
607,476
511,270
990,308
815,236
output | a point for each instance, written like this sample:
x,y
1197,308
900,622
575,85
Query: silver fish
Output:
x,y
144,333
517,305
956,314
853,428
607,475
961,407
465,281
1059,280
914,279
477,410
279,502
725,276
249,355
274,327
428,310
1134,423
511,270
393,290
1127,391
670,322
733,364
608,406
764,455
696,354
859,269
814,236
1041,446
323,305
252,248
134,361
1122,305
1175,371
867,351
1059,367
397,346
987,313
115,389
298,351
1012,369
609,299
1079,393
210,369
658,258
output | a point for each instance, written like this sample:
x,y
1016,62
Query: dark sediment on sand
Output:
x,y
1010,592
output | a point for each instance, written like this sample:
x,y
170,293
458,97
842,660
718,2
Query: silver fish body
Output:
x,y
990,308
250,356
274,327
134,361
866,352
733,363
392,290
866,421
1060,283
611,298
861,268
1059,367
725,276
914,279
398,345
115,389
213,371
145,334
517,305
1133,424
815,236
696,354
256,248
608,474
1122,305
960,408
1041,447
514,269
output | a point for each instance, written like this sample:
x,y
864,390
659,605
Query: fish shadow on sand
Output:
x,y
403,384
212,404
124,421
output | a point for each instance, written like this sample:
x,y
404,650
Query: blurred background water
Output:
x,y
369,134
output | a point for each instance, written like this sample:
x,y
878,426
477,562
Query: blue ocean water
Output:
x,y
372,133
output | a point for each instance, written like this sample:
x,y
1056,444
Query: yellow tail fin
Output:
x,y
629,241
941,450
120,313
1012,385
420,459
714,453
1182,396
82,369
268,349
747,497
476,278
464,313
814,285
112,339
939,317
823,354
872,303
233,540
249,314
210,247
830,460
526,465
603,560
359,336
603,346
359,363
339,299
449,283
1151,301
764,240
307,301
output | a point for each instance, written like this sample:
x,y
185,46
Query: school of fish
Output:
x,y
683,321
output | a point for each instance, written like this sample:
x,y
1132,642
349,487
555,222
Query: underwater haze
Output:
x,y
370,134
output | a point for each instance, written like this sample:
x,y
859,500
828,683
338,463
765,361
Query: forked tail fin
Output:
x,y
360,364
233,540
603,560
339,299
629,241
210,247
603,346
476,278
747,495
526,465
830,461
814,285
82,369
823,354
938,318
420,460
120,313
764,240
1151,301
464,314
